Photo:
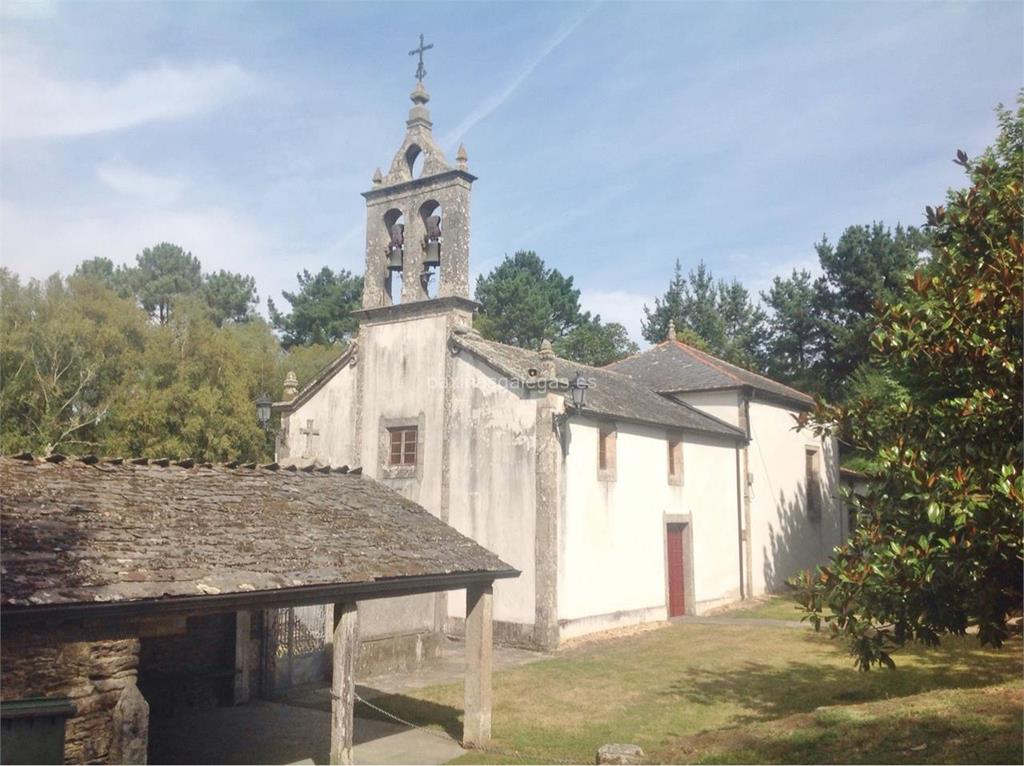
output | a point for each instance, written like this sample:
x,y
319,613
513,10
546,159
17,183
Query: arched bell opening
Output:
x,y
431,216
414,159
394,256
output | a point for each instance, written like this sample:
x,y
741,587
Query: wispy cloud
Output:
x,y
36,105
490,104
141,185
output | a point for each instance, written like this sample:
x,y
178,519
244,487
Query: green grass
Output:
x,y
752,692
772,608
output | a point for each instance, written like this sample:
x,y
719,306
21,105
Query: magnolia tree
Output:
x,y
937,547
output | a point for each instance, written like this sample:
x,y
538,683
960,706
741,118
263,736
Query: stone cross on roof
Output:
x,y
421,72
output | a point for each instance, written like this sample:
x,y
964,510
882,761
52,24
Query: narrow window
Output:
x,y
606,453
813,485
403,446
675,460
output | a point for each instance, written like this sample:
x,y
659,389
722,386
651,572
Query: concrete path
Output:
x,y
295,729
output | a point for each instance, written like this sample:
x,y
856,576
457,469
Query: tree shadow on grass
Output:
x,y
771,691
988,731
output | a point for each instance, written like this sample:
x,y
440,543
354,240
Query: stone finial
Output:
x,y
547,359
291,386
419,94
378,177
671,334
461,157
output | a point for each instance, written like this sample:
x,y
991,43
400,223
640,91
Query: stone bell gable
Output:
x,y
417,223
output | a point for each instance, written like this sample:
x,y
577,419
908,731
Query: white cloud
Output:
x,y
36,105
141,185
28,9
620,306
37,242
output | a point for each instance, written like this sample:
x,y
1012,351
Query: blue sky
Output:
x,y
611,138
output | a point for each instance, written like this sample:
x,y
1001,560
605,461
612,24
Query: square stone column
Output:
x,y
476,725
343,687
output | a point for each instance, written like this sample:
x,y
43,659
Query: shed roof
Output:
x,y
673,367
77,533
611,393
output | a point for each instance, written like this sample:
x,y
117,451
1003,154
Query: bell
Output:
x,y
394,258
432,255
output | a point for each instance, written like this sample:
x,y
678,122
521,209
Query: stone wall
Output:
x,y
99,677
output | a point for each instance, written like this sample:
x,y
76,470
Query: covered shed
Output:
x,y
100,555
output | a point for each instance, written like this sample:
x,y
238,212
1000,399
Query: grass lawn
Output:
x,y
741,693
771,608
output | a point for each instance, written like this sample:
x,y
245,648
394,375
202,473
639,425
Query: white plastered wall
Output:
x,y
332,410
612,568
493,481
723,404
784,539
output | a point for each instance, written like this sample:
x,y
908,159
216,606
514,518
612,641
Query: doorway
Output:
x,y
675,553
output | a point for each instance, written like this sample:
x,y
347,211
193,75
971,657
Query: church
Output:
x,y
667,484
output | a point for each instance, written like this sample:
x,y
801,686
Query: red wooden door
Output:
x,y
676,585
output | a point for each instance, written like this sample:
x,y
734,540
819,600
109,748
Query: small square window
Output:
x,y
402,446
675,460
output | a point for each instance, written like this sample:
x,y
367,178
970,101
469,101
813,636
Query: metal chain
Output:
x,y
489,749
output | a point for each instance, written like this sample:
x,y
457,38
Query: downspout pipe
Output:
x,y
739,520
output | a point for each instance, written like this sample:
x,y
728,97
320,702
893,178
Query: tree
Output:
x,y
720,313
67,347
867,268
191,397
230,297
524,302
103,270
938,545
162,274
321,309
595,343
793,342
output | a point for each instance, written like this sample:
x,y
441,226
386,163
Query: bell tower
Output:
x,y
417,217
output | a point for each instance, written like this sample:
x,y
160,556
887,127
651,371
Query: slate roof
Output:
x,y
672,367
611,393
78,533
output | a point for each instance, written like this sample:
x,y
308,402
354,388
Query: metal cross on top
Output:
x,y
421,72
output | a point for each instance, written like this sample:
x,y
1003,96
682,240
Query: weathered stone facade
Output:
x,y
402,199
110,722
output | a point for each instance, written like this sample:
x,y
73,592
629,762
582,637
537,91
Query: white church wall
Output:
x,y
612,565
785,538
722,404
403,369
331,413
493,481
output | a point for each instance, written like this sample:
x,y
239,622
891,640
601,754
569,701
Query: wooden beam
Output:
x,y
344,645
476,726
243,665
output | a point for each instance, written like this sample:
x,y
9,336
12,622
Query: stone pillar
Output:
x,y
344,645
129,741
243,658
548,500
476,727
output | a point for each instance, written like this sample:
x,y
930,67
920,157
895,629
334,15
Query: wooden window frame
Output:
x,y
406,444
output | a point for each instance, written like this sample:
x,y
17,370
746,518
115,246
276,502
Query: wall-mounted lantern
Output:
x,y
578,390
263,405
